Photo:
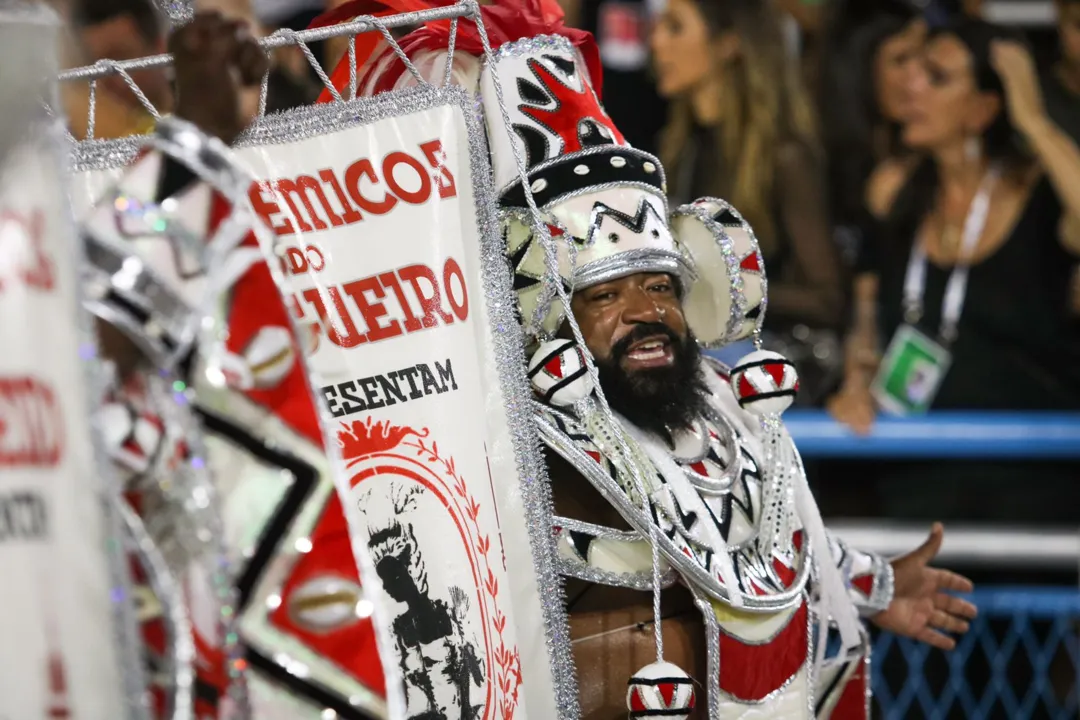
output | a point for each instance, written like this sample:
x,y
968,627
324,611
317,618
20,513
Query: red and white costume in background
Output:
x,y
283,525
609,201
170,519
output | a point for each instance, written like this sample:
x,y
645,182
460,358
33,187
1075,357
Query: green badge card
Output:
x,y
911,373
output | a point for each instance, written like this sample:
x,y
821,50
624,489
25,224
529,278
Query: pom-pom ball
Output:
x,y
660,690
764,383
558,373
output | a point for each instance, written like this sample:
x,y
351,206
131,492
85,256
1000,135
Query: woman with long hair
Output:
x,y
978,235
871,49
741,128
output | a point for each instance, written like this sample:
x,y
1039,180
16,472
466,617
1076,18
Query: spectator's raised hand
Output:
x,y
215,58
853,406
1016,68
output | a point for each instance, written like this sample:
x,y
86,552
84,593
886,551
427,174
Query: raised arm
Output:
x,y
1056,151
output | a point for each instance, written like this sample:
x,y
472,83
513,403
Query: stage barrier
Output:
x,y
1018,662
941,434
1020,659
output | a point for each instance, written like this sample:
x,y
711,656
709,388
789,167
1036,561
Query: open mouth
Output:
x,y
650,352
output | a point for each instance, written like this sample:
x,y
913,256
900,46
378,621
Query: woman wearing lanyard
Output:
x,y
970,294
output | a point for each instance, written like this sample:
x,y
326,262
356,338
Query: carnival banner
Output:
x,y
381,212
60,654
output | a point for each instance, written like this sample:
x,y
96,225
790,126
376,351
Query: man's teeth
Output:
x,y
649,351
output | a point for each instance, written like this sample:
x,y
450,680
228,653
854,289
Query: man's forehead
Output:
x,y
638,278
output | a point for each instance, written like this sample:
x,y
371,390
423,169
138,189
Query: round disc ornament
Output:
x,y
764,383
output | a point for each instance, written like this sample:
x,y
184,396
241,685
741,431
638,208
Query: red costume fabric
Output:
x,y
504,20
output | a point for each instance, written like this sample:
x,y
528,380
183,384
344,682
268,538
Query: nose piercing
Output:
x,y
660,311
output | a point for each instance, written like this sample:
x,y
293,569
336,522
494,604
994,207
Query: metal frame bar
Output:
x,y
463,8
941,434
970,545
1029,13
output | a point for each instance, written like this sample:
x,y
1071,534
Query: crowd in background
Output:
x,y
855,136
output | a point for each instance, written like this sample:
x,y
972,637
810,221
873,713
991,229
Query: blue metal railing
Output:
x,y
1020,660
941,434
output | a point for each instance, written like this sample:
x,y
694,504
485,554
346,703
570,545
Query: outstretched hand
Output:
x,y
922,606
215,58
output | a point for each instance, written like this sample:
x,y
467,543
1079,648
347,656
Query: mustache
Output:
x,y
640,332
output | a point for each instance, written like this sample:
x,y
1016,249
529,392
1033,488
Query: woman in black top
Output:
x,y
978,117
870,51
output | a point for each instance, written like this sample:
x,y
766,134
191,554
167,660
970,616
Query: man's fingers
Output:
x,y
949,623
955,606
221,43
208,38
930,548
948,580
935,638
251,61
192,38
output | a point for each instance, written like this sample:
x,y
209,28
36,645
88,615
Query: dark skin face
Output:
x,y
608,312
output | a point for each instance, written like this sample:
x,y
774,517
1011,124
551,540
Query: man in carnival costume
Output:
x,y
684,478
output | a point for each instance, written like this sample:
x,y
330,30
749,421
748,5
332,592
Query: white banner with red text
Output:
x,y
60,654
383,224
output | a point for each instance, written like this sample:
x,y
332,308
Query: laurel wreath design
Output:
x,y
507,659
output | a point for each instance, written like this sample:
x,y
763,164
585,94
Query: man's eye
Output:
x,y
661,288
603,297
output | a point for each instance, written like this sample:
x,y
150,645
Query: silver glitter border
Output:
x,y
582,570
180,643
761,259
630,262
509,339
884,586
712,652
712,637
532,45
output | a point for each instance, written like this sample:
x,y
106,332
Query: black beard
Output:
x,y
657,399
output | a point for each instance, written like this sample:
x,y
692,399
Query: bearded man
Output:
x,y
652,372
675,473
